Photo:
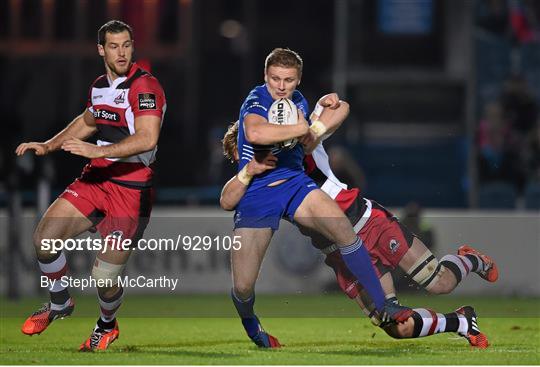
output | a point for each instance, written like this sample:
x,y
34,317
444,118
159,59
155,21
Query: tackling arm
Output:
x,y
332,118
236,187
231,193
326,120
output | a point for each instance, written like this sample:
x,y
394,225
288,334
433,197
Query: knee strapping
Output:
x,y
107,272
425,269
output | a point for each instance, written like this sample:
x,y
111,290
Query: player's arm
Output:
x,y
147,102
82,127
331,112
236,187
259,131
326,120
147,128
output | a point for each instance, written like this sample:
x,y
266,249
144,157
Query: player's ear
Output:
x,y
101,50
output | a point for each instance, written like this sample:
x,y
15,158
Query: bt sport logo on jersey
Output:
x,y
106,115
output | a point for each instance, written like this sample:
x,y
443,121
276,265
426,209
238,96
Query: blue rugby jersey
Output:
x,y
290,161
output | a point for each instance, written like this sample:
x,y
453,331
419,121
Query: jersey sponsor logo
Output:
x,y
120,98
257,104
147,101
394,245
106,115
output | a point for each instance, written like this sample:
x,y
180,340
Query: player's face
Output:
x,y
117,52
281,82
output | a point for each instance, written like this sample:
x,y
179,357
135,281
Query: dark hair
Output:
x,y
113,26
284,57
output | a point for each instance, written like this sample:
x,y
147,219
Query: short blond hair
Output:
x,y
284,57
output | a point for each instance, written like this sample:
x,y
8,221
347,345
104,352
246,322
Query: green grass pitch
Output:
x,y
315,329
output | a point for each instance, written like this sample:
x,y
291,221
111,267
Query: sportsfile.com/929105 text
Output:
x,y
116,242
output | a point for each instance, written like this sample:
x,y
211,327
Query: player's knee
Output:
x,y
243,290
106,276
427,271
45,245
341,231
36,239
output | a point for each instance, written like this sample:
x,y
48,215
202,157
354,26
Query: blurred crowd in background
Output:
x,y
444,94
508,132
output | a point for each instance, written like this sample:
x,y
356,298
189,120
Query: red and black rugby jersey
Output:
x,y
115,106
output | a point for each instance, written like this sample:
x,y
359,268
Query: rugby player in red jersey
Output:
x,y
114,194
389,243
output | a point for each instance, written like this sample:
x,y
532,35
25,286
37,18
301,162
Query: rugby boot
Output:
x,y
100,339
475,337
489,270
42,318
262,339
394,312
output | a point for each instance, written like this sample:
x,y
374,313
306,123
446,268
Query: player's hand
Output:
x,y
261,163
302,124
330,101
82,148
38,148
308,139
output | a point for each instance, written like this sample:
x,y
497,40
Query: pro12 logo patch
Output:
x,y
147,101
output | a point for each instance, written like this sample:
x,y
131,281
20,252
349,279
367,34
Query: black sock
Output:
x,y
474,261
452,322
59,298
106,325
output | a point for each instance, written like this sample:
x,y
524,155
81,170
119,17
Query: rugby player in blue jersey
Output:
x,y
379,229
287,192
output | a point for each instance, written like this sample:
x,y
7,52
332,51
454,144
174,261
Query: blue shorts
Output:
x,y
264,207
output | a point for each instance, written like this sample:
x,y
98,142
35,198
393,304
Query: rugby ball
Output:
x,y
284,112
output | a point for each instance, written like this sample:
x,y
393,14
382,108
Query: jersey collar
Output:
x,y
133,68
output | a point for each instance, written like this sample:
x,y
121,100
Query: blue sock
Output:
x,y
246,312
358,261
